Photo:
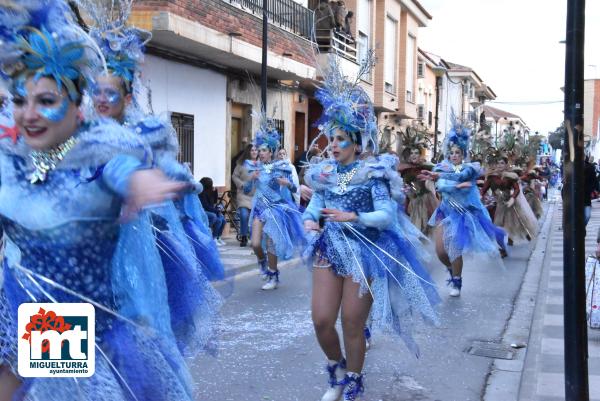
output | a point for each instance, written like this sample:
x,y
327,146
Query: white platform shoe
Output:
x,y
337,373
272,280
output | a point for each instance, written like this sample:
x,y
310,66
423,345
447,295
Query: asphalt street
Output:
x,y
268,350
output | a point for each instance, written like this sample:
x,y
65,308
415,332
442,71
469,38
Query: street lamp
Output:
x,y
439,72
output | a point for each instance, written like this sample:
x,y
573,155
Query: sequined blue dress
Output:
x,y
373,250
65,242
467,226
282,221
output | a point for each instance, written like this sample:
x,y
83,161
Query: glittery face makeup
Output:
x,y
109,94
342,147
344,144
55,114
110,99
44,115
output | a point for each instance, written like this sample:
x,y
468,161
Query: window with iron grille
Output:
x,y
421,112
280,126
184,126
430,119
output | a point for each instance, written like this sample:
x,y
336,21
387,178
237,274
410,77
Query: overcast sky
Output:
x,y
513,45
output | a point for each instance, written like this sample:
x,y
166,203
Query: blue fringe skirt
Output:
x,y
386,265
468,231
283,228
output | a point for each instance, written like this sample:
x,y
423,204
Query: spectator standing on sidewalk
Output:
x,y
209,198
241,177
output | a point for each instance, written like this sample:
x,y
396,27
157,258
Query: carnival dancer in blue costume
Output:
x,y
186,246
64,185
361,261
276,222
462,224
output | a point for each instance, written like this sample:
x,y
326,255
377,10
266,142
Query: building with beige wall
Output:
x,y
220,44
426,91
395,77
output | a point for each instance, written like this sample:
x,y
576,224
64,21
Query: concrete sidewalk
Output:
x,y
238,260
543,377
537,371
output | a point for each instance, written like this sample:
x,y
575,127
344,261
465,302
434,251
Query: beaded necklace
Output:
x,y
268,167
344,178
45,161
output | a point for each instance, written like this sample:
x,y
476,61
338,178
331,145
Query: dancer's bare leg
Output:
x,y
440,250
325,306
457,267
256,240
355,311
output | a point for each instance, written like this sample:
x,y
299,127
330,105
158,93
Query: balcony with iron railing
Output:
x,y
286,14
333,41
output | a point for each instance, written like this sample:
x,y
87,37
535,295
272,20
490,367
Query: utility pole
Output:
x,y
576,350
265,49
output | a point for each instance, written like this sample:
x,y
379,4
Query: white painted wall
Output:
x,y
202,93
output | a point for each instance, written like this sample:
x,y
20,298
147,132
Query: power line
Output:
x,y
529,103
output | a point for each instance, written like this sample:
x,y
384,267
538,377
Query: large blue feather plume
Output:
x,y
41,37
122,45
267,135
48,58
459,135
347,106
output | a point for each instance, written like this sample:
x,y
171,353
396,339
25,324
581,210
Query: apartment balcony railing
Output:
x,y
332,41
286,14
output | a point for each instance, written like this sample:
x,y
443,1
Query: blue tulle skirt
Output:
x,y
132,361
156,305
283,228
468,231
190,261
387,266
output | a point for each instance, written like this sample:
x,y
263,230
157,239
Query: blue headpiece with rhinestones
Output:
x,y
267,135
121,45
40,38
459,136
346,105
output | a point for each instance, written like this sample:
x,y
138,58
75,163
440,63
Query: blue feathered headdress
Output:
x,y
121,45
267,135
459,135
41,38
347,106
